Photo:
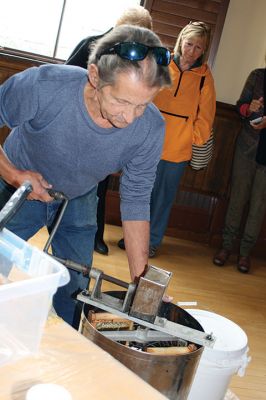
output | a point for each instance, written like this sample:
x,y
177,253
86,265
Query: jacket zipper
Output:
x,y
175,115
175,94
179,83
177,88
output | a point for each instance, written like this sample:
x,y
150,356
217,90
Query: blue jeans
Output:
x,y
74,239
167,180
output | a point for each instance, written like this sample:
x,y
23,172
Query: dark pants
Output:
x,y
167,180
101,193
248,186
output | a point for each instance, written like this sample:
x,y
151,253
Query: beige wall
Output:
x,y
242,47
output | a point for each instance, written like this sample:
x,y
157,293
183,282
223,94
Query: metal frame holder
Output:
x,y
160,324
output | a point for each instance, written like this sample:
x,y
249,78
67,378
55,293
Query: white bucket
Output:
x,y
229,356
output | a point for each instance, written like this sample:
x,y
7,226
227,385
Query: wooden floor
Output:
x,y
224,291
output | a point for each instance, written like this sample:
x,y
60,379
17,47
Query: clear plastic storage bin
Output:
x,y
25,302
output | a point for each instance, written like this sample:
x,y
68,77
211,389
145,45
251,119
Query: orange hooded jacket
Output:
x,y
188,109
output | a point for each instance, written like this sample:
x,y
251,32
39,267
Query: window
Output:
x,y
54,27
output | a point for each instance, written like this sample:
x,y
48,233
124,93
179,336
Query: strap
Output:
x,y
202,82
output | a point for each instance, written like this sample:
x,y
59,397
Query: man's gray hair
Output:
x,y
109,66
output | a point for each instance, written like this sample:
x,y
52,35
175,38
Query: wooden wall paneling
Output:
x,y
113,216
215,178
4,132
191,216
260,248
202,214
113,201
168,26
170,16
186,10
166,19
226,127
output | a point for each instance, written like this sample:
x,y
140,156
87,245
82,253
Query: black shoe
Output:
x,y
121,244
152,251
101,247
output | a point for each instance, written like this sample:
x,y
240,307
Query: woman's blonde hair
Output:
x,y
197,28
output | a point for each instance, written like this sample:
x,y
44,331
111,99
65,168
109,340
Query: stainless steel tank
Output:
x,y
172,375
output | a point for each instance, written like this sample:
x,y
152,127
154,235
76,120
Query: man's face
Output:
x,y
123,102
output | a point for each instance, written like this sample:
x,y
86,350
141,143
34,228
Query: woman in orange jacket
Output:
x,y
189,109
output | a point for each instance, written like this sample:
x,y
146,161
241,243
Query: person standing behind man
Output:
x,y
71,128
188,107
248,184
139,16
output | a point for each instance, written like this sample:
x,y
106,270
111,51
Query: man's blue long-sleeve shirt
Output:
x,y
53,134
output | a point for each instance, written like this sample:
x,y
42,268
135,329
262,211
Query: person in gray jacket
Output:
x,y
70,129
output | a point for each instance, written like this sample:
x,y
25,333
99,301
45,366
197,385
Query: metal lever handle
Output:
x,y
57,195
84,269
116,281
14,203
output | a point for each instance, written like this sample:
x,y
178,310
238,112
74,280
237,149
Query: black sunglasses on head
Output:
x,y
134,51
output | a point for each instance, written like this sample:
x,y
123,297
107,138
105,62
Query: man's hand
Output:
x,y
39,185
16,177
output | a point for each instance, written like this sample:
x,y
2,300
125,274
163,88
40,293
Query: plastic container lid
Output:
x,y
48,391
231,341
230,351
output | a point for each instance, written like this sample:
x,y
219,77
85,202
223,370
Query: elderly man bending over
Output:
x,y
70,129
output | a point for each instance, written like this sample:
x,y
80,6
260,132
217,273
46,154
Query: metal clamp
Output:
x,y
14,203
